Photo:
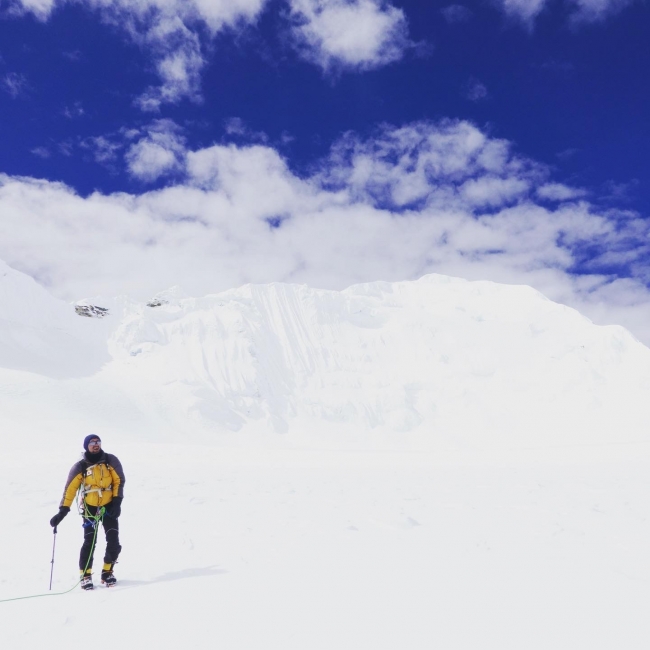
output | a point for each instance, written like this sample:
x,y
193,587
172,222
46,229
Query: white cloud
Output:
x,y
620,192
41,152
66,147
15,84
215,14
178,67
103,148
74,111
149,152
491,191
596,10
412,200
72,55
41,9
237,128
427,163
584,10
170,30
559,192
526,10
160,151
456,13
475,91
353,34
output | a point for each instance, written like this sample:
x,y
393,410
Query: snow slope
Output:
x,y
43,335
447,363
431,464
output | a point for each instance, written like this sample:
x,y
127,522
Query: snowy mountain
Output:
x,y
451,362
431,464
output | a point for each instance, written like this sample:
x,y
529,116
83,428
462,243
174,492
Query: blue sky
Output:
x,y
329,142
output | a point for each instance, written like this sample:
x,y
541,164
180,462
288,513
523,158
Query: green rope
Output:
x,y
97,519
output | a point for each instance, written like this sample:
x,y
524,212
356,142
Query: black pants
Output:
x,y
112,532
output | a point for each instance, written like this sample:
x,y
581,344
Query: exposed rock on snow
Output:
x,y
91,311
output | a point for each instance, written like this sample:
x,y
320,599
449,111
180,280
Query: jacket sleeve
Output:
x,y
72,484
118,476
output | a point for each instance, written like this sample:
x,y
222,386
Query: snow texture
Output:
x,y
425,464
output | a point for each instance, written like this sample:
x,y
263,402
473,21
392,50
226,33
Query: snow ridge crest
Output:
x,y
438,357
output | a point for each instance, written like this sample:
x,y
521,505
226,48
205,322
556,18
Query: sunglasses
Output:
x,y
92,443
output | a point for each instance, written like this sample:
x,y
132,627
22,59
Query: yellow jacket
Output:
x,y
99,482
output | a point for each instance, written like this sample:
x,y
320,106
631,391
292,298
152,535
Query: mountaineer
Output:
x,y
99,479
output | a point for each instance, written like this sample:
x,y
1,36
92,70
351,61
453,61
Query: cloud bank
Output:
x,y
425,197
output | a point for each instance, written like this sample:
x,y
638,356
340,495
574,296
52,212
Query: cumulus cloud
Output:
x,y
352,34
148,152
160,151
425,197
444,165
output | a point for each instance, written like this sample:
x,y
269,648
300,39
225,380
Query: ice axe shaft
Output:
x,y
52,563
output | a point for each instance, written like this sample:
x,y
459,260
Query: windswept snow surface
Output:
x,y
431,464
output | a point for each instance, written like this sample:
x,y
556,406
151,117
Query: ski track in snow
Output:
x,y
432,464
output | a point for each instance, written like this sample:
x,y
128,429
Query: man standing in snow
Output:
x,y
100,479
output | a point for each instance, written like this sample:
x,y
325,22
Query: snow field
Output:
x,y
433,464
323,549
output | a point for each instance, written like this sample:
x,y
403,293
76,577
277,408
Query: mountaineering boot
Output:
x,y
87,582
108,578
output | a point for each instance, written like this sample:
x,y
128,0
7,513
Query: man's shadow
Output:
x,y
174,575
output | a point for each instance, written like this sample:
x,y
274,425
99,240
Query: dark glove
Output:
x,y
114,508
58,518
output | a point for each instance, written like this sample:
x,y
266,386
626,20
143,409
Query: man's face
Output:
x,y
94,446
